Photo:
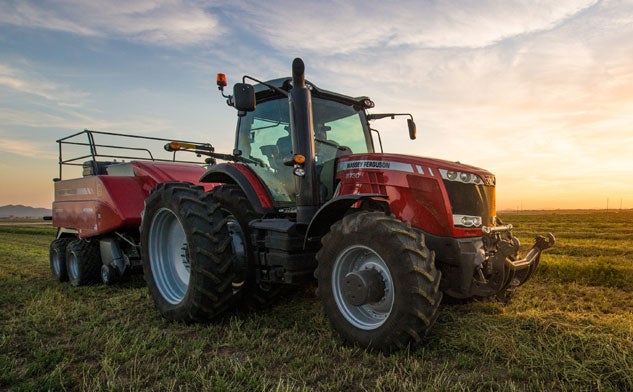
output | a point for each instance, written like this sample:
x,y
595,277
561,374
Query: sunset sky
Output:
x,y
540,93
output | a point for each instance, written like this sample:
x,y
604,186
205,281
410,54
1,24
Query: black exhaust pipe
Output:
x,y
302,135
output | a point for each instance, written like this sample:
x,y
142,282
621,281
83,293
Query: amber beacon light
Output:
x,y
220,79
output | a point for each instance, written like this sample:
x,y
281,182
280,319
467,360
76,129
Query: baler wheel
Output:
x,y
253,296
109,275
188,258
377,281
83,262
57,256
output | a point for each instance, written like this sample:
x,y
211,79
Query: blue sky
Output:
x,y
540,93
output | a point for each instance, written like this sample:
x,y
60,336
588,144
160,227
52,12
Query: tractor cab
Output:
x,y
263,136
291,134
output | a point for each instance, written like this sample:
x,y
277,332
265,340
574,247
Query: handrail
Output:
x,y
93,149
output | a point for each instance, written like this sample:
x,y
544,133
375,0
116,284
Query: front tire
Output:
x,y
377,281
187,253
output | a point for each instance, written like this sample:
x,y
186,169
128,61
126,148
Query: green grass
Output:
x,y
569,329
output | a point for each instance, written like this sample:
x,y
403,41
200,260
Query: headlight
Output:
x,y
466,178
466,220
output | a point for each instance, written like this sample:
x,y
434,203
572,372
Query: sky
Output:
x,y
540,93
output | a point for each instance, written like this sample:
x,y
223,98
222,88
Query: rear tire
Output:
x,y
83,262
234,201
188,262
57,256
389,254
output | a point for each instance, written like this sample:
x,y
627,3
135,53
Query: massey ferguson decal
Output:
x,y
382,165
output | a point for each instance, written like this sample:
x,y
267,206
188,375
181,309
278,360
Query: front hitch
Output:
x,y
505,272
522,270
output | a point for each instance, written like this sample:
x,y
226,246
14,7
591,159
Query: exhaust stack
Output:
x,y
302,136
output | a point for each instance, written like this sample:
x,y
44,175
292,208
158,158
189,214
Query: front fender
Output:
x,y
332,211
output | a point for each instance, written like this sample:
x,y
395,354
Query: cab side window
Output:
x,y
264,137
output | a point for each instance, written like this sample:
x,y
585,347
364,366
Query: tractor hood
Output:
x,y
411,164
446,199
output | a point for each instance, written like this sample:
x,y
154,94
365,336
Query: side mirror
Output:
x,y
412,129
244,97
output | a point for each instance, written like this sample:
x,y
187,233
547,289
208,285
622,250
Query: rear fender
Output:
x,y
241,175
334,210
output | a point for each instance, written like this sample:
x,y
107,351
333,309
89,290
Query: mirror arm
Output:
x,y
378,116
379,138
410,122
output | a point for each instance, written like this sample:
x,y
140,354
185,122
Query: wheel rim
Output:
x,y
371,315
73,266
168,254
56,263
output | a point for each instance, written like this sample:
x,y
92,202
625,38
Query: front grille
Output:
x,y
472,200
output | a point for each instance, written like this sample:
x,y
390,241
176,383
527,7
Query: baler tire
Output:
x,y
83,262
371,240
186,252
252,295
57,257
108,275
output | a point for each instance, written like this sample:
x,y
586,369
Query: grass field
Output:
x,y
569,329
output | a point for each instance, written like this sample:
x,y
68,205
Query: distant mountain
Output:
x,y
20,211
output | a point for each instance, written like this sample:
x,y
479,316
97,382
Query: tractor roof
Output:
x,y
263,93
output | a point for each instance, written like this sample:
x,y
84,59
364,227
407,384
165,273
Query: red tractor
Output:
x,y
304,193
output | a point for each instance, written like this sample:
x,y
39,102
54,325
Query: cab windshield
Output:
x,y
264,137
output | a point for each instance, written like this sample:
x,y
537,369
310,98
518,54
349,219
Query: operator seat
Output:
x,y
277,154
284,146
